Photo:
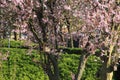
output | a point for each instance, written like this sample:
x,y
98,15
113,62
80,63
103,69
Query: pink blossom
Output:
x,y
67,7
45,20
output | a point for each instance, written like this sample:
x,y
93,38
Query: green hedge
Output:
x,y
72,50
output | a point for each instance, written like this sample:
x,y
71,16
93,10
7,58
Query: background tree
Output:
x,y
7,18
13,17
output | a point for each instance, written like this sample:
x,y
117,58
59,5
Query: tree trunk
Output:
x,y
71,40
109,76
81,67
69,31
52,67
106,72
4,34
107,68
55,34
16,36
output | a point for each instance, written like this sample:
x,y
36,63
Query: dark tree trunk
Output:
x,y
69,31
4,34
55,33
107,67
54,69
106,73
16,36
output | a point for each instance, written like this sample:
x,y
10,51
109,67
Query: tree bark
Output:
x,y
107,68
55,67
4,34
106,71
109,76
51,67
69,31
16,35
81,67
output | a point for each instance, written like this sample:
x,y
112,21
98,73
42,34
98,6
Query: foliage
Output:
x,y
17,44
72,50
92,68
68,66
14,44
21,65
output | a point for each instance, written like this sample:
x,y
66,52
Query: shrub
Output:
x,y
13,44
17,44
72,50
69,64
19,66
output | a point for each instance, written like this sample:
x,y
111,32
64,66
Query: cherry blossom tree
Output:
x,y
13,18
101,30
47,14
42,18
5,20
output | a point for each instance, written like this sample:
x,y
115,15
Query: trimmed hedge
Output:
x,y
72,50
